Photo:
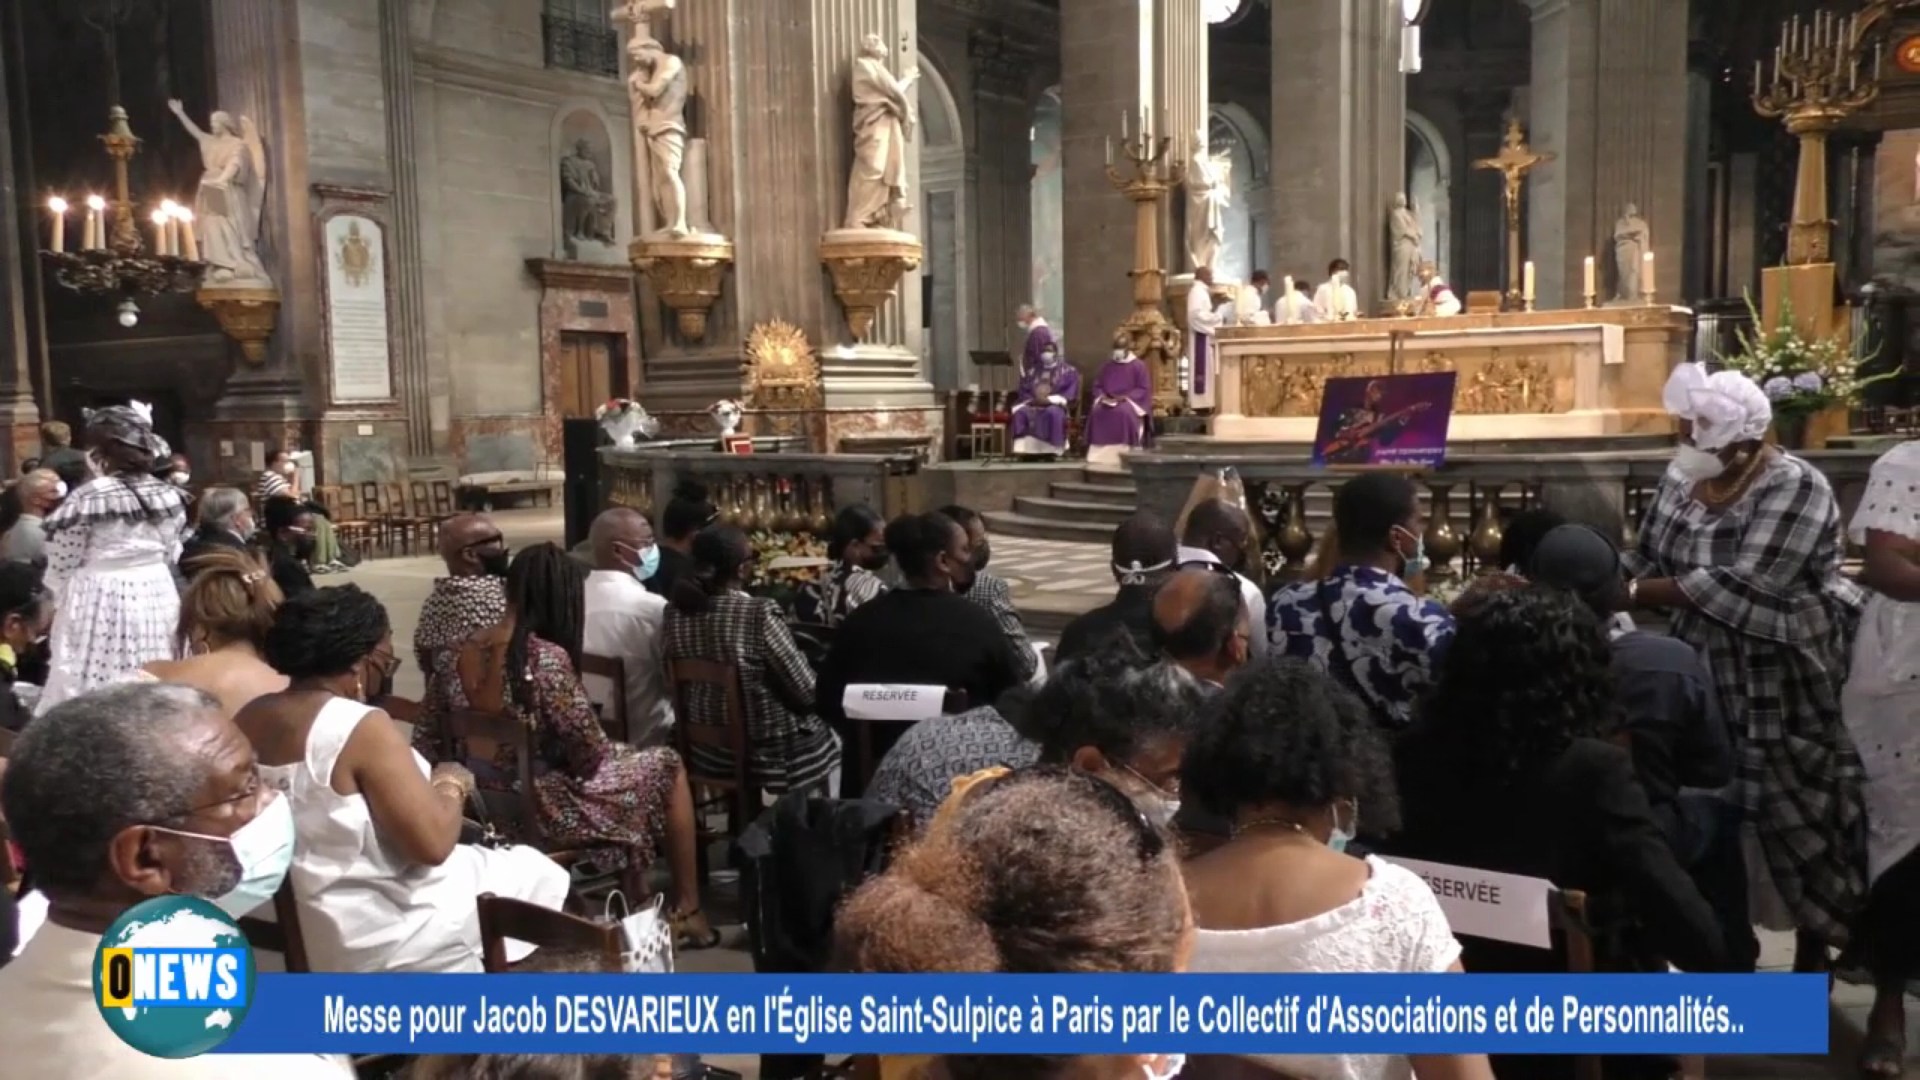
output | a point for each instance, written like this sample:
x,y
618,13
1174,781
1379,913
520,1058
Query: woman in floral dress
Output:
x,y
589,790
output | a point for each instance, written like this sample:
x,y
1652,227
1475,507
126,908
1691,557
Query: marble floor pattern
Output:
x,y
1056,577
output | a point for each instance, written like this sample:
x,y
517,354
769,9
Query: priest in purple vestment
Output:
x,y
1039,425
1039,337
1122,401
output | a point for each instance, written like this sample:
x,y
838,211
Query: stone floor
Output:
x,y
1052,580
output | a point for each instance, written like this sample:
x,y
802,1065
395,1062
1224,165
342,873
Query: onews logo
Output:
x,y
173,977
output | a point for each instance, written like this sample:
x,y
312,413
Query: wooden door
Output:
x,y
587,376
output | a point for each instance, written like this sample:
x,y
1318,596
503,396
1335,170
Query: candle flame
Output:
x,y
57,204
169,207
160,216
95,202
181,213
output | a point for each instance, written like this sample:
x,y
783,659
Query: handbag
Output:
x,y
646,935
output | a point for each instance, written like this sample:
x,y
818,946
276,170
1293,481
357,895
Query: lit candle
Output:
x,y
59,207
1526,281
1646,276
172,210
96,231
1286,285
1586,278
1109,141
160,232
190,243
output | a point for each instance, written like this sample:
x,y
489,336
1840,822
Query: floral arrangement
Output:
x,y
1799,376
783,583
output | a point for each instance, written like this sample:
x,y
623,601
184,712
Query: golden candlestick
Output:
x,y
1151,173
1817,83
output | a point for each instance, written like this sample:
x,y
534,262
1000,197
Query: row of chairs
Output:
x,y
374,518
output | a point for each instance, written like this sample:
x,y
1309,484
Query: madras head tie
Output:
x,y
1135,574
958,793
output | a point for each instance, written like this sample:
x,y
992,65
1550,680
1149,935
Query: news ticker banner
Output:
x,y
1029,1014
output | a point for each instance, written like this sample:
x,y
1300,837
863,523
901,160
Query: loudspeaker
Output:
x,y
580,443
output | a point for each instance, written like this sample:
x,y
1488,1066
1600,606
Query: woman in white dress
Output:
x,y
110,553
382,881
1290,758
1881,704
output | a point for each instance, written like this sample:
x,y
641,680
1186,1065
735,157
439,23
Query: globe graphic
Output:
x,y
181,922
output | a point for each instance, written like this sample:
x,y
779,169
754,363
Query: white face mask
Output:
x,y
178,479
1695,465
1164,1067
262,852
289,468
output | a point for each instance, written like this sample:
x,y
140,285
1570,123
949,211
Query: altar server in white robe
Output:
x,y
1202,320
1295,307
1335,298
1250,301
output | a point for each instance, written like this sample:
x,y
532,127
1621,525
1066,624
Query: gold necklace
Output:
x,y
1725,491
1256,823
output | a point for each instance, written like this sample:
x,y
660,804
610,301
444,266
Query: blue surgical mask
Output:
x,y
648,564
262,851
1417,563
1342,835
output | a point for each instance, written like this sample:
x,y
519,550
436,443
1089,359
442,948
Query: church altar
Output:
x,y
1522,375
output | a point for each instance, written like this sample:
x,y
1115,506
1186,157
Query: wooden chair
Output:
x,y
613,716
865,760
377,507
443,502
351,527
408,523
735,791
405,710
283,935
503,919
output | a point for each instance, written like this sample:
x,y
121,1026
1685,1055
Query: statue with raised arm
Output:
x,y
883,119
658,88
232,194
1209,193
1403,237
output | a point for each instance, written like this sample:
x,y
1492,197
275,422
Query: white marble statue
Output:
x,y
586,207
657,85
1631,242
233,189
883,119
625,422
727,414
1403,235
1209,193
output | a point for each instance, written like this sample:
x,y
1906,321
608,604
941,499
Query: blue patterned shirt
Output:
x,y
1369,631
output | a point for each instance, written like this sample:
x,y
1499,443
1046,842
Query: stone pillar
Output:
x,y
1336,76
1001,203
1118,56
409,321
1608,100
19,417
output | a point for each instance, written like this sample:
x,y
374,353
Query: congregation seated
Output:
x,y
624,621
1217,533
1040,870
991,591
471,595
26,610
857,545
1048,389
1295,763
710,617
226,613
539,1066
591,791
1200,624
1122,407
1143,556
36,495
281,480
381,879
288,537
687,512
117,796
926,633
225,523
1506,771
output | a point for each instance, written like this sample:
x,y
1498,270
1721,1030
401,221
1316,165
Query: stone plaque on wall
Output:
x,y
360,351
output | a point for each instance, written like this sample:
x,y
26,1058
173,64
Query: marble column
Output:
x,y
19,417
1001,201
1118,56
1608,99
1336,77
256,73
409,322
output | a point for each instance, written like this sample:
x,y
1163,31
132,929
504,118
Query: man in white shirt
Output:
x,y
1295,307
1203,318
1335,298
1250,301
1219,534
626,622
116,797
40,491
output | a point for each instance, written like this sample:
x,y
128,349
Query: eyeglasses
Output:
x,y
489,541
1148,840
387,662
253,789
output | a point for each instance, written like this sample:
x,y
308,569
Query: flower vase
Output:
x,y
1790,430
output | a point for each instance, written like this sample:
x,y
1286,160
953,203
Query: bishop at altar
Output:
x,y
1122,400
1039,424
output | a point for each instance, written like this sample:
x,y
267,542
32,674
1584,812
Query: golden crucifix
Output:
x,y
1515,160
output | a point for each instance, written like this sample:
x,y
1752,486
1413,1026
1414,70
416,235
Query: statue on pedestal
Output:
x,y
586,207
1403,234
1209,193
658,88
231,197
883,119
1631,242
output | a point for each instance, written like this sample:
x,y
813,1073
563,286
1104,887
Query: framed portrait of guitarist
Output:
x,y
1392,421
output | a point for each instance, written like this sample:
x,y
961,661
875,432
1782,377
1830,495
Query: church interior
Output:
x,y
416,237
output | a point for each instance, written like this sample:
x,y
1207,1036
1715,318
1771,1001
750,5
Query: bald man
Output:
x,y
39,492
626,622
1200,623
472,596
1143,557
1218,533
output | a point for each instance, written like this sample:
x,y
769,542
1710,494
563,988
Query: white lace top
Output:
x,y
1395,926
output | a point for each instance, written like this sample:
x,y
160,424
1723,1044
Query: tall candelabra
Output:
x,y
1821,75
1149,172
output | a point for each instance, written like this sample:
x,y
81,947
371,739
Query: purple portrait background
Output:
x,y
1422,443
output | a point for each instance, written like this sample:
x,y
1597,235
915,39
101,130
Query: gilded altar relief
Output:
x,y
782,376
1529,380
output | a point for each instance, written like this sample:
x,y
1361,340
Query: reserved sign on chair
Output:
x,y
892,701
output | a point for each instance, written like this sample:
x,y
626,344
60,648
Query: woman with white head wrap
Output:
x,y
1742,547
1881,703
111,548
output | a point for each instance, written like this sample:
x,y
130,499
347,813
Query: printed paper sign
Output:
x,y
888,701
1489,904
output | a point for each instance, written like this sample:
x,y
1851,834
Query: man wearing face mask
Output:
x,y
1742,548
115,797
289,544
1365,622
624,621
39,493
991,591
858,547
226,521
473,595
1219,533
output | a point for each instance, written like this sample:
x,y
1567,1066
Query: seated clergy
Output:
x,y
1440,298
1122,401
1039,425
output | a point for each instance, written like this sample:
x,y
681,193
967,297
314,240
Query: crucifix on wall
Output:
x,y
1514,161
